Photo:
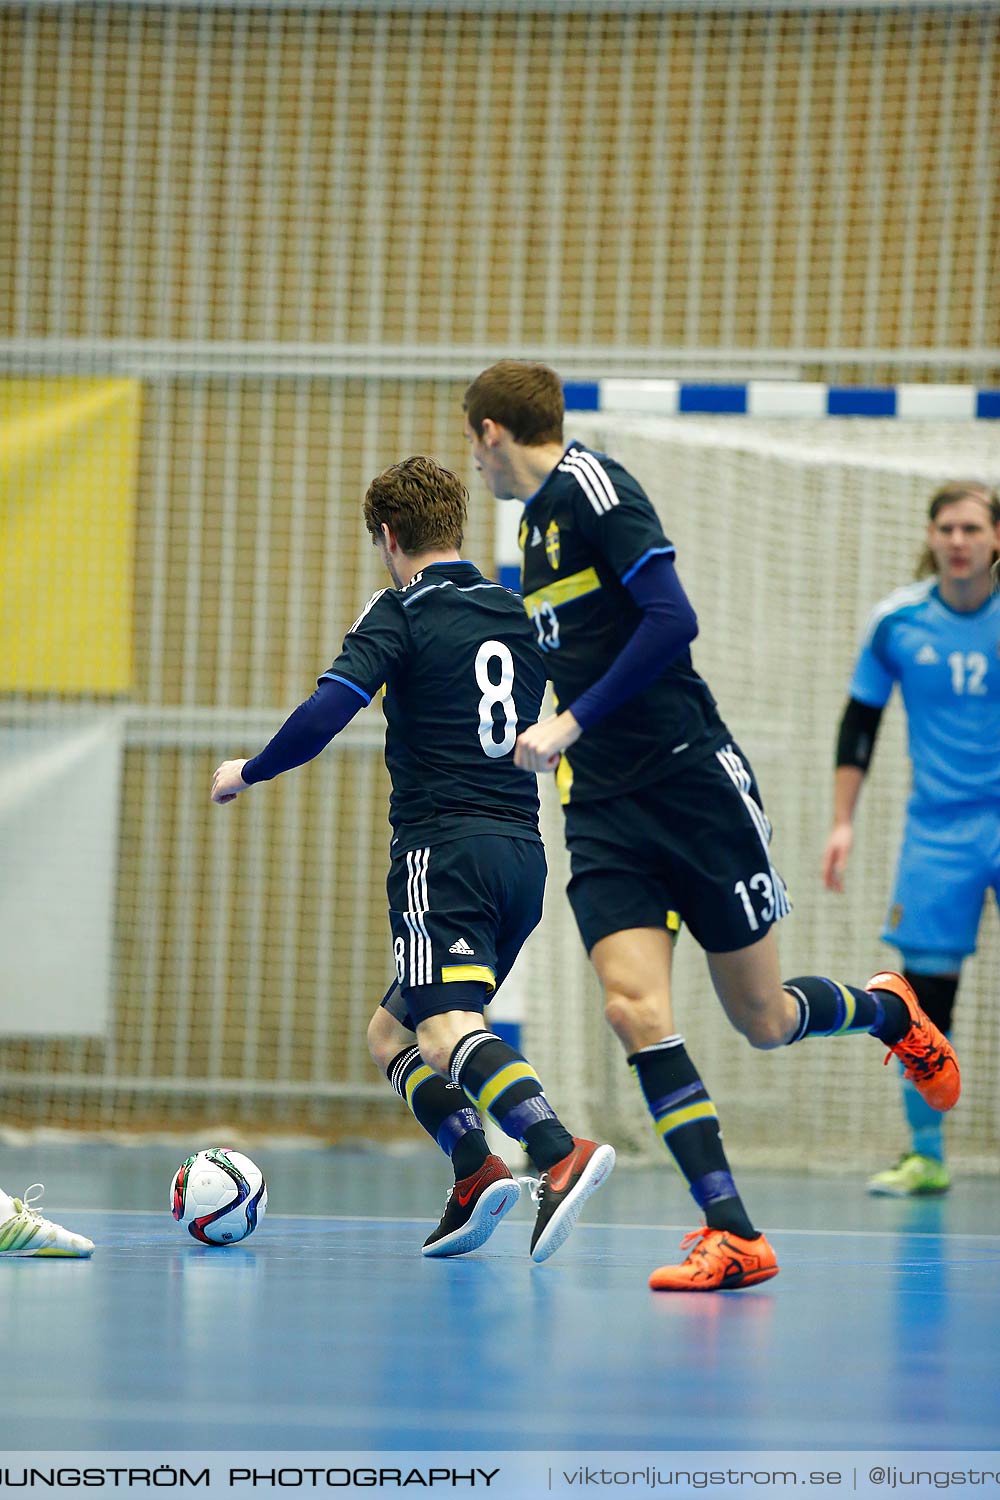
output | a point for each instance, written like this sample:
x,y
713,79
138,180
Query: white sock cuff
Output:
x,y
465,1049
676,1040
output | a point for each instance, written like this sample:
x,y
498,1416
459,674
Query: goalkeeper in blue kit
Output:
x,y
939,640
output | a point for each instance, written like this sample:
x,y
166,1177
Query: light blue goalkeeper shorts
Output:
x,y
949,860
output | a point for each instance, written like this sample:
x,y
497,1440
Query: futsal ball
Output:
x,y
219,1196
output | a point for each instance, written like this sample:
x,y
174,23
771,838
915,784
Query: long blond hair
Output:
x,y
960,489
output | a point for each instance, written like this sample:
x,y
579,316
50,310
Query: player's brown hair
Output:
x,y
524,397
958,489
422,503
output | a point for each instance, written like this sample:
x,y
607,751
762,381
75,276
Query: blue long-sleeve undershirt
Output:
x,y
307,731
667,628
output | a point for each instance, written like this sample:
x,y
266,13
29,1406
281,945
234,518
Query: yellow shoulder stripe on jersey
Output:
x,y
673,921
563,590
470,973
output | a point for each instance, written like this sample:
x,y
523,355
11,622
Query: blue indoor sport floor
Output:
x,y
328,1329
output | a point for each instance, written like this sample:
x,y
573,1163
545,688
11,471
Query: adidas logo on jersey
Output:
x,y
463,948
536,537
927,657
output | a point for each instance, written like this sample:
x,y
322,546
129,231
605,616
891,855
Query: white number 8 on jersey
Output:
x,y
493,693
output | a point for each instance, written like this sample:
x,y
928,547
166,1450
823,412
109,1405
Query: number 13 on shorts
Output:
x,y
758,897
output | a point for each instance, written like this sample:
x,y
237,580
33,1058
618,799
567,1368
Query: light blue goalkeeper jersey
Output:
x,y
947,665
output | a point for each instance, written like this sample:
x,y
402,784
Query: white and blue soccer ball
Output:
x,y
219,1196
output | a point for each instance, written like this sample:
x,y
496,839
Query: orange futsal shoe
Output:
x,y
717,1261
927,1056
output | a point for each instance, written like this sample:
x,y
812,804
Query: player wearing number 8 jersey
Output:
x,y
463,676
664,821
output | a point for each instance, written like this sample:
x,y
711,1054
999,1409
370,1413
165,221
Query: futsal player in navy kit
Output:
x,y
463,677
939,640
664,821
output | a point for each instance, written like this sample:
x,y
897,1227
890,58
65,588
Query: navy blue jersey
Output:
x,y
463,677
585,532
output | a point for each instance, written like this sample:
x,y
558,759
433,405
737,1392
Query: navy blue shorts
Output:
x,y
693,849
460,913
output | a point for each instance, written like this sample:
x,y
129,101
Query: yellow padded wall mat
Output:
x,y
68,452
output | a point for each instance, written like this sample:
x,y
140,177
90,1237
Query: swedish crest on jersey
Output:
x,y
552,545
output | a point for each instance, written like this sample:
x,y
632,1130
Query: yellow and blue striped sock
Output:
x,y
687,1122
829,1008
441,1108
497,1079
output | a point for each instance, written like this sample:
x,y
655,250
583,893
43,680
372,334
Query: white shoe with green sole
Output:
x,y
913,1176
24,1232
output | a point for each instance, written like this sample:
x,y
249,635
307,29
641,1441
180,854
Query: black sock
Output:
x,y
828,1008
469,1152
936,993
686,1120
441,1108
497,1079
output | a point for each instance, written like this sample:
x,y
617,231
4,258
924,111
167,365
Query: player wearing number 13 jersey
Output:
x,y
586,534
664,821
463,676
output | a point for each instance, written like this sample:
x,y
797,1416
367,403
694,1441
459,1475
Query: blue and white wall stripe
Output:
x,y
752,398
782,398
